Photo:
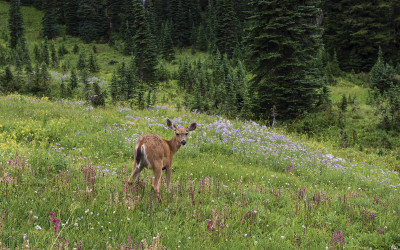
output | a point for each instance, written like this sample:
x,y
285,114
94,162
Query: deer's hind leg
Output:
x,y
138,165
156,179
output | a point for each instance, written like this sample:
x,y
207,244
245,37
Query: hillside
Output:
x,y
234,184
329,179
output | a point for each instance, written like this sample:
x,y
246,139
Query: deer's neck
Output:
x,y
174,145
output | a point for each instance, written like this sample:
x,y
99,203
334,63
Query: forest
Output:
x,y
297,106
278,62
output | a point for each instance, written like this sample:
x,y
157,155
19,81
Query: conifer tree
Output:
x,y
145,55
284,40
81,61
381,74
44,80
93,65
53,54
98,97
45,58
71,17
15,24
73,81
114,92
226,30
62,89
49,19
167,43
92,20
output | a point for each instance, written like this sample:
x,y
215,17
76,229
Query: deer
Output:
x,y
153,151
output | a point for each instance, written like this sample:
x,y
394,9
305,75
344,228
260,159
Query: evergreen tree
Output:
x,y
15,24
167,49
36,53
53,54
114,88
98,97
226,29
93,65
45,58
343,103
73,81
85,81
49,19
62,89
284,40
356,28
76,49
145,55
44,80
81,61
92,20
381,74
131,80
7,80
115,11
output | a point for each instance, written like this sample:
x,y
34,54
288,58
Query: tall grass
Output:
x,y
64,167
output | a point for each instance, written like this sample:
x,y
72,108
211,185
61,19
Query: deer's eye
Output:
x,y
177,134
186,134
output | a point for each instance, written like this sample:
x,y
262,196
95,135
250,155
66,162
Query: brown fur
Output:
x,y
157,154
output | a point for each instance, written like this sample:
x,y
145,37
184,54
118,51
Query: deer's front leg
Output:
x,y
155,180
168,176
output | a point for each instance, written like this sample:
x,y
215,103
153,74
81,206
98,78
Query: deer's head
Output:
x,y
181,133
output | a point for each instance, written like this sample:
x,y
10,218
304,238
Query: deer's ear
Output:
x,y
191,127
171,125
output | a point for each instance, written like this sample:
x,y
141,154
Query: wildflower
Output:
x,y
282,237
337,239
9,161
38,227
255,243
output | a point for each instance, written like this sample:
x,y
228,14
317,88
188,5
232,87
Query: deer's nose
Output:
x,y
183,142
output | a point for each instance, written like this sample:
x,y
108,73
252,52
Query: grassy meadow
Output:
x,y
64,167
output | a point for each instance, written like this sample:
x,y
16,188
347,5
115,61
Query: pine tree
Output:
x,y
81,62
284,41
53,54
98,98
44,80
49,19
93,65
131,80
115,11
76,49
62,90
167,49
73,81
45,58
15,24
145,55
381,74
92,20
114,88
226,30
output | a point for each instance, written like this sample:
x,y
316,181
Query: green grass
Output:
x,y
74,161
234,185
